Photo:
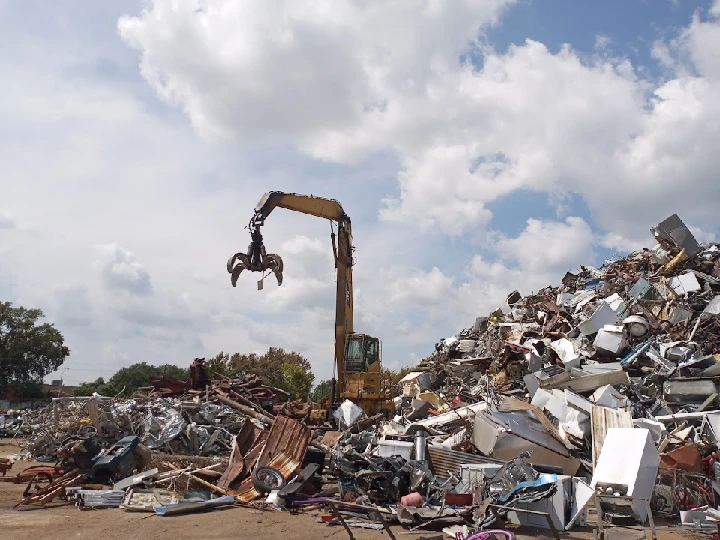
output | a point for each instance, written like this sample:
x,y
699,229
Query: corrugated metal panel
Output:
x,y
285,449
287,436
283,463
248,436
444,459
604,418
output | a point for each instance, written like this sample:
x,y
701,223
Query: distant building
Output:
x,y
55,390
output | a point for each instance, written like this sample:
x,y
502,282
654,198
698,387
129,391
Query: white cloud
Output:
x,y
715,9
661,52
620,243
539,256
527,118
547,248
113,355
602,42
421,289
120,270
308,276
72,305
703,236
295,68
7,222
165,209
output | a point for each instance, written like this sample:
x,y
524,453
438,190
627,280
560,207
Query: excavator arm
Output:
x,y
258,260
306,204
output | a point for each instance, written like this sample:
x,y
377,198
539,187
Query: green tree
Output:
x,y
287,370
295,380
322,390
127,380
89,388
29,350
391,378
216,368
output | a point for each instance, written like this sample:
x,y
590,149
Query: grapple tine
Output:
x,y
236,274
231,262
243,262
277,266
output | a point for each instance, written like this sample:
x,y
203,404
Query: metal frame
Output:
x,y
373,513
599,533
495,507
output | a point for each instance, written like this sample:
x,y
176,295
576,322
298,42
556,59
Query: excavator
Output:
x,y
358,357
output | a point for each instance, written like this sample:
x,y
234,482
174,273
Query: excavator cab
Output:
x,y
361,352
362,383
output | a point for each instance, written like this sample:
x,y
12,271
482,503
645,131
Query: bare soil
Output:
x,y
63,520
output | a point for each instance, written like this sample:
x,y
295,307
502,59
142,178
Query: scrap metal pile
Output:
x,y
601,391
632,345
194,417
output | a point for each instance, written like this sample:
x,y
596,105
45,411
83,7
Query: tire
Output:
x,y
267,479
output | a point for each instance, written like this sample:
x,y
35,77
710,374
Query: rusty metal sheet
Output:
x,y
246,492
286,436
248,465
282,462
285,447
686,458
604,418
330,438
249,436
235,468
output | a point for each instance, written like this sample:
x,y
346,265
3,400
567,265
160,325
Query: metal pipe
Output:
x,y
420,444
244,409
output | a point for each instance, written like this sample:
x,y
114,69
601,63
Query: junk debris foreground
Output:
x,y
601,393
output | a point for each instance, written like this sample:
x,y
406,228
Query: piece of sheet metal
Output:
x,y
443,459
285,449
146,500
188,507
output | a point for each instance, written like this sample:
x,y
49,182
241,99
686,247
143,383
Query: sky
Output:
x,y
479,146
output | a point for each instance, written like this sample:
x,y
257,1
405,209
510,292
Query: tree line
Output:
x,y
30,350
288,371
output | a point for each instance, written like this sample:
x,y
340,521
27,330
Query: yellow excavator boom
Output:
x,y
258,260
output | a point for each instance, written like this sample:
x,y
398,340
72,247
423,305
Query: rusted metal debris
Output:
x,y
55,489
284,450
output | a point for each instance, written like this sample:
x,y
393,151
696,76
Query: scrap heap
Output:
x,y
633,345
601,391
193,417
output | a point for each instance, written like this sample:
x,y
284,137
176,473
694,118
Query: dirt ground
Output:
x,y
62,520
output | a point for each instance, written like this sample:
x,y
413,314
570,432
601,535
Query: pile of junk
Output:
x,y
597,398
